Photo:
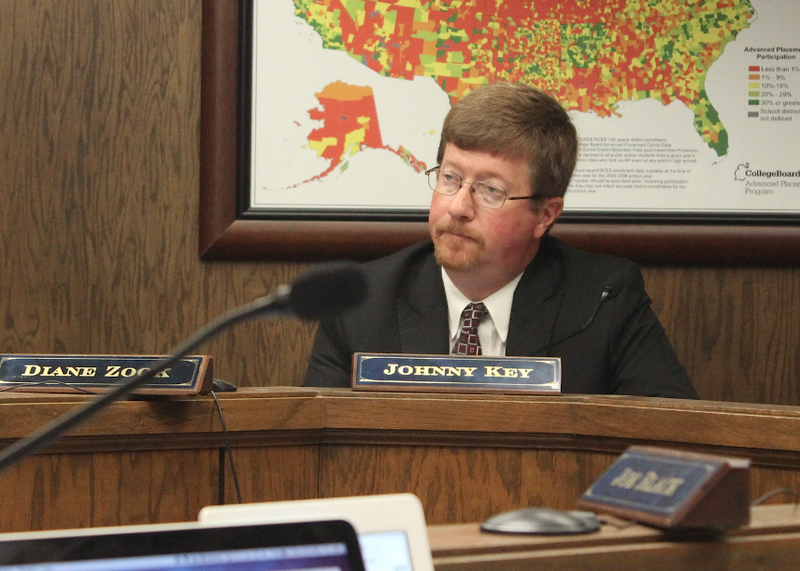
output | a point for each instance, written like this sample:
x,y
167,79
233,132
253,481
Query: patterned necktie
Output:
x,y
468,342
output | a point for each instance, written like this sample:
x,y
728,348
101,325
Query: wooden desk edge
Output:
x,y
467,540
602,423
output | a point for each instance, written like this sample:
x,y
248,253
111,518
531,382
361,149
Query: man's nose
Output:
x,y
461,203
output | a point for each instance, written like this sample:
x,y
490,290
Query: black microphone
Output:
x,y
327,290
612,285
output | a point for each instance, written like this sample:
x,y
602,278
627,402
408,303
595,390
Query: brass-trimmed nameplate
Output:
x,y
674,489
449,373
96,373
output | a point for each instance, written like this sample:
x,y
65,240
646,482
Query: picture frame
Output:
x,y
228,230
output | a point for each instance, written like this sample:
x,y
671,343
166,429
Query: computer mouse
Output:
x,y
542,521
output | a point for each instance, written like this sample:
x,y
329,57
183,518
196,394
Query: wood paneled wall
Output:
x,y
99,176
735,329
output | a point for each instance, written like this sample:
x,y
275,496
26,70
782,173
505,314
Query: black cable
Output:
x,y
228,448
768,495
78,389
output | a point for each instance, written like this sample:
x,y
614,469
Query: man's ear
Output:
x,y
548,212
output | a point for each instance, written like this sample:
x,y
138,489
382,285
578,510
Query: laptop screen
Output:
x,y
312,546
385,551
391,527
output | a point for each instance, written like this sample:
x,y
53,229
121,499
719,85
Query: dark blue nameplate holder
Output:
x,y
96,373
673,489
448,373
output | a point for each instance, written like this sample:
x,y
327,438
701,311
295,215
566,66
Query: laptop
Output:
x,y
308,546
391,527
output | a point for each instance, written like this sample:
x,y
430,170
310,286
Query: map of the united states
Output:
x,y
590,54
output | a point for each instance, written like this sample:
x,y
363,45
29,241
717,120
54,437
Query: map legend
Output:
x,y
770,93
754,86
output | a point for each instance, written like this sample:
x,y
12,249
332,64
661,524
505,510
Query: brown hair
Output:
x,y
515,120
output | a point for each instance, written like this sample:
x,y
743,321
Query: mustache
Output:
x,y
457,228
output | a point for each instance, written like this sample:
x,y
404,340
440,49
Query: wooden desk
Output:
x,y
465,456
771,541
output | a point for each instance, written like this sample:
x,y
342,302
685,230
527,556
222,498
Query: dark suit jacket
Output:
x,y
624,351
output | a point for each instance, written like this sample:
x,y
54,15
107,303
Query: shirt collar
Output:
x,y
498,305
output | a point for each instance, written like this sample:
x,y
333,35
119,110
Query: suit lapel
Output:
x,y
422,312
422,309
537,302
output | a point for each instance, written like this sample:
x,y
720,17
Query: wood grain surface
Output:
x,y
465,456
99,181
771,541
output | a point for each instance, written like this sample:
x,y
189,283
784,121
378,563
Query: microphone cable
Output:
x,y
229,451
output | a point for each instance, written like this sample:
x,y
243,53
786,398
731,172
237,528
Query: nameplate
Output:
x,y
96,373
449,373
673,489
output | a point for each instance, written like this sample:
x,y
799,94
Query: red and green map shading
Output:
x,y
350,123
590,54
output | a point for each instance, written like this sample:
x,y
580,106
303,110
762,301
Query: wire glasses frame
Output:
x,y
485,193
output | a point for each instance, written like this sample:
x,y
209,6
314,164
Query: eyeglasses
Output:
x,y
485,193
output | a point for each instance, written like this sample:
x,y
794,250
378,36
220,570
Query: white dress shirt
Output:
x,y
493,329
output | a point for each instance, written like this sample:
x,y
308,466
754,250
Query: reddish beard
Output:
x,y
456,248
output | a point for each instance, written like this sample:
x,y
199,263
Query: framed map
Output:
x,y
688,114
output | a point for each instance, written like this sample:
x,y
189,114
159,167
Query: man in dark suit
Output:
x,y
506,157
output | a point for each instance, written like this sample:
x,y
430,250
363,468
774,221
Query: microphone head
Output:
x,y
328,289
612,285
